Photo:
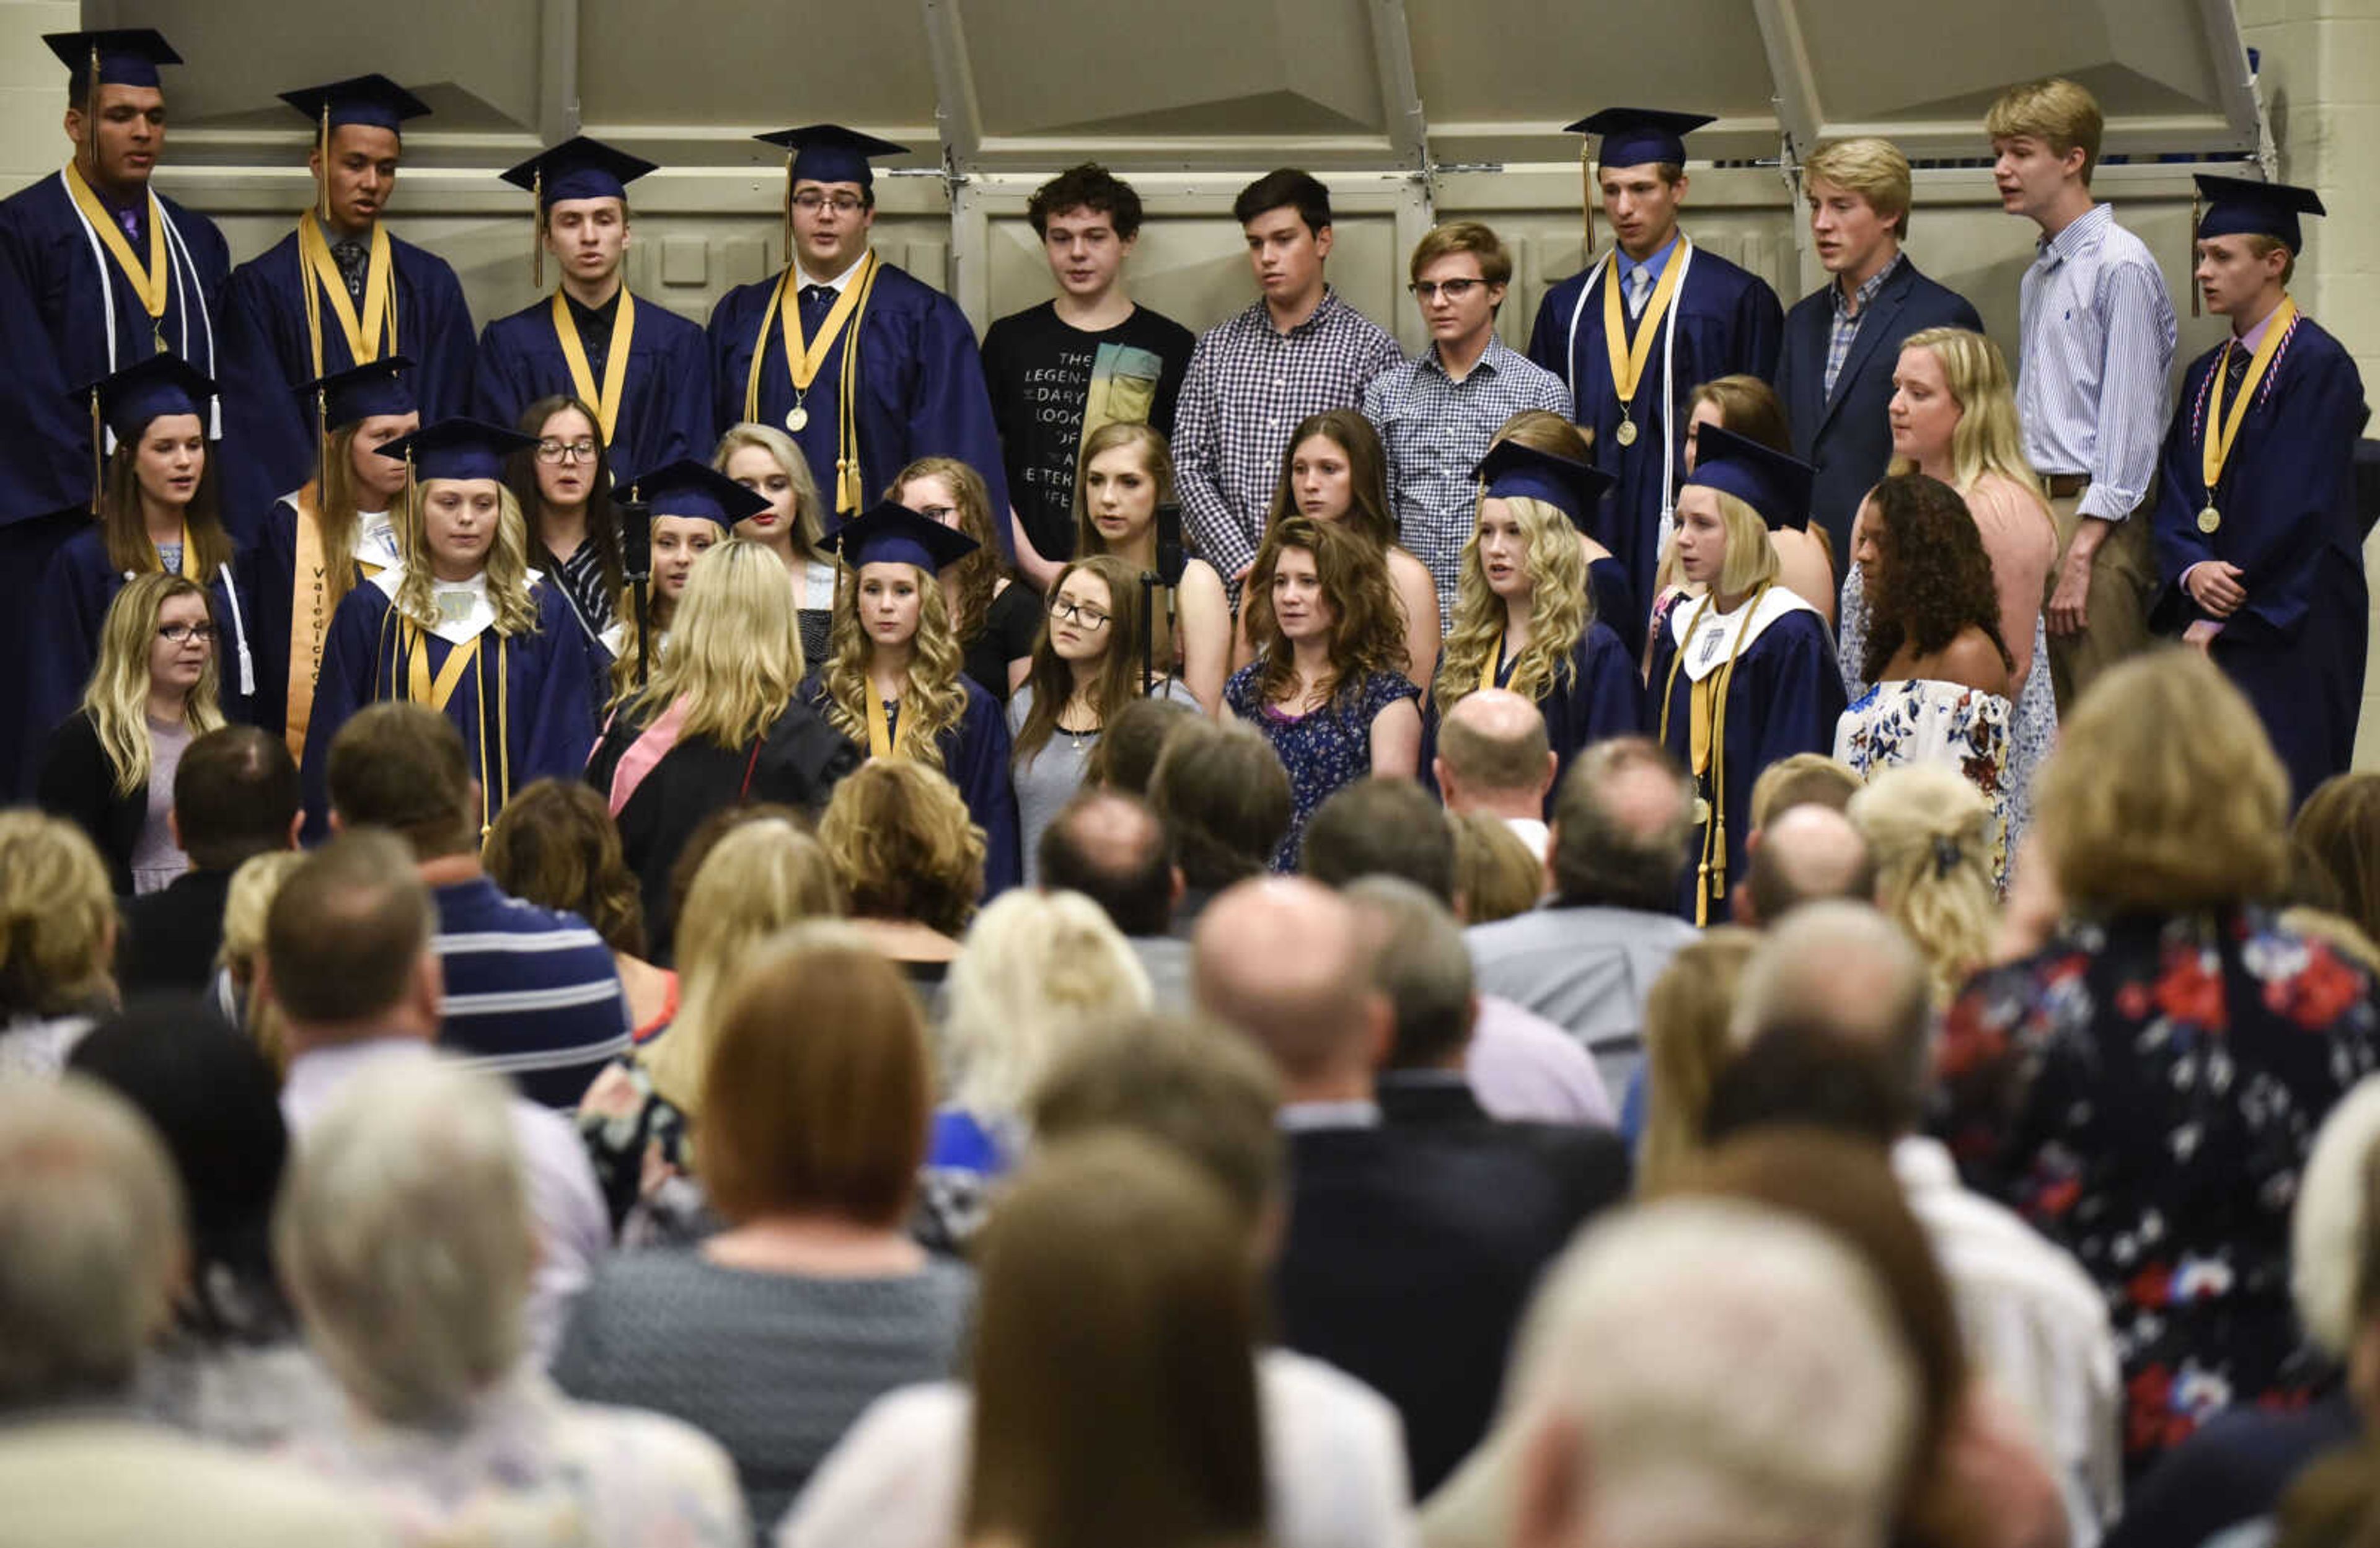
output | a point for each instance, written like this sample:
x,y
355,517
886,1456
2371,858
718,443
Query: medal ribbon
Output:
x,y
615,360
2222,430
151,282
321,273
418,687
804,359
1628,361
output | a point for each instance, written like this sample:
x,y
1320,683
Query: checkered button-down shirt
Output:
x,y
1847,322
1436,429
1249,385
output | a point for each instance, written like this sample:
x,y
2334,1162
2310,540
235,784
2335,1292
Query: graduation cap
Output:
x,y
115,56
2238,207
577,168
147,390
1634,135
890,533
687,488
1772,483
830,154
376,387
1570,485
457,449
373,101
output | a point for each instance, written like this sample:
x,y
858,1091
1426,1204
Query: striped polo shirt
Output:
x,y
530,994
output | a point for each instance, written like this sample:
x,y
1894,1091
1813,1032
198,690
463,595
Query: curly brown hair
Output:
x,y
1937,577
1369,636
903,845
554,844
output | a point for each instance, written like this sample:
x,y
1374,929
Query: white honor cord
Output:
x,y
193,290
1570,354
239,634
106,292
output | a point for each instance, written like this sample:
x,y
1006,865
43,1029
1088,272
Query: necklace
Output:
x,y
1077,708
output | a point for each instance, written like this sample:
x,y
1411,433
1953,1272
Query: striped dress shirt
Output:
x,y
1434,430
1249,385
2097,341
531,993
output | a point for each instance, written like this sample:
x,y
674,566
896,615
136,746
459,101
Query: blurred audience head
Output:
x,y
1126,753
2335,849
1493,756
2334,1242
1621,824
347,951
554,844
401,766
903,845
1842,973
1802,779
1379,826
1036,970
57,919
1419,964
1686,1044
1222,792
1283,960
246,905
1110,848
1932,835
1806,854
235,795
1496,876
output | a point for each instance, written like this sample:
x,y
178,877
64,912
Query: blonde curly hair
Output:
x,y
1562,608
936,697
1040,970
1930,832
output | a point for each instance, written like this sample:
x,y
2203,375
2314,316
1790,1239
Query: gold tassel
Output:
x,y
98,454
90,118
2194,247
325,196
537,228
321,431
1592,195
788,232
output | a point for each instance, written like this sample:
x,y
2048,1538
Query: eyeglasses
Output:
x,y
183,634
810,201
1074,612
1427,291
939,513
565,451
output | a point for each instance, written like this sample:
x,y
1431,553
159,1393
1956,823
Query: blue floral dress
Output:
x,y
1922,720
1322,749
2144,1092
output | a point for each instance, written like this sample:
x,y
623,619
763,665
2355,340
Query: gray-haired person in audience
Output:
x,y
405,1235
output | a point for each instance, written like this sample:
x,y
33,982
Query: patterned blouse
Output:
x,y
643,1159
1923,719
1323,749
2144,1092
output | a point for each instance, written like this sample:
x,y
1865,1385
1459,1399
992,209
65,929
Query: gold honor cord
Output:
x,y
419,689
615,360
2222,430
1628,361
152,283
319,271
806,357
1707,748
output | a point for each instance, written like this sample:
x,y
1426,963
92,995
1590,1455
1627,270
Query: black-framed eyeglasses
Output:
x,y
809,201
183,634
1427,291
939,513
565,451
1075,612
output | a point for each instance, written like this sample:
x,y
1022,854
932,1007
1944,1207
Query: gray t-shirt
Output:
x,y
1046,782
774,1367
156,859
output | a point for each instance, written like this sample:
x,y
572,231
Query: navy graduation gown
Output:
x,y
1615,599
975,757
2287,504
58,288
1729,320
1602,698
920,393
547,708
1784,698
267,359
76,587
666,414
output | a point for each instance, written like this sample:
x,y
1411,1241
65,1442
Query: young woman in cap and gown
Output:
x,y
338,291
644,369
894,684
1746,674
2258,548
1525,614
459,623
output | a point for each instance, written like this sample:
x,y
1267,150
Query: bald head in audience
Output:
x,y
1286,962
1492,755
1807,853
1113,849
1839,980
1621,826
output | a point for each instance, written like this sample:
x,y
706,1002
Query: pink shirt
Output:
x,y
2022,544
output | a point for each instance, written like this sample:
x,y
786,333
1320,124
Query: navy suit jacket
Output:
x,y
1845,434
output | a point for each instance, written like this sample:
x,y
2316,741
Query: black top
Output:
x,y
1010,626
798,764
78,783
1042,373
171,937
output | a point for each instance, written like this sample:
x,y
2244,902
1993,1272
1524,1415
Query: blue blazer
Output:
x,y
1845,434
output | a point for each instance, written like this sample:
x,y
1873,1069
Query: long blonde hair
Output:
x,y
1040,971
762,877
507,566
1562,608
809,519
1686,1016
936,697
735,646
118,696
1987,439
1930,831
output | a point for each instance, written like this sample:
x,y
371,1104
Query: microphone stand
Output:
x,y
1148,583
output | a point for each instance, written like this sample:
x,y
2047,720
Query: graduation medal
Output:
x,y
797,419
805,358
2222,430
616,361
1627,360
150,281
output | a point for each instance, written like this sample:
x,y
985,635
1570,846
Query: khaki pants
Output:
x,y
2121,575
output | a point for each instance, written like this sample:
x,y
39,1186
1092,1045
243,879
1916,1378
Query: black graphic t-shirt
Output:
x,y
1045,376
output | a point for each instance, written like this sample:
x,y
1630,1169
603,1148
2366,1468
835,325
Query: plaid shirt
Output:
x,y
1248,387
1436,429
1847,322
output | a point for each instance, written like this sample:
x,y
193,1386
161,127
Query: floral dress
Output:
x,y
2031,721
643,1158
1323,749
2144,1092
1926,721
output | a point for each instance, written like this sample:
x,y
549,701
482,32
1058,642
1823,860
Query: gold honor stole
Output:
x,y
421,689
152,282
309,616
375,332
1628,361
1706,747
1487,668
2222,430
806,357
881,742
614,392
